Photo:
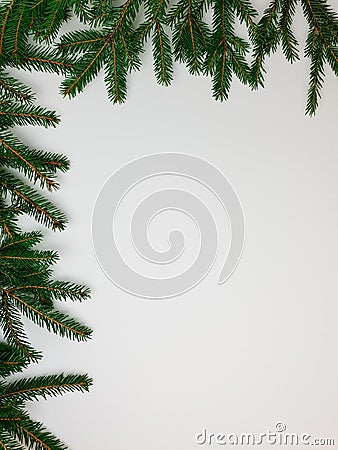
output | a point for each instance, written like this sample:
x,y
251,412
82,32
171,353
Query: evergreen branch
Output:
x,y
162,56
80,41
31,202
12,87
16,23
56,13
247,14
29,167
22,258
38,3
117,43
27,240
46,163
320,46
8,226
26,389
290,43
26,287
28,115
112,51
81,10
58,290
221,87
10,419
116,96
51,319
11,360
161,46
34,435
127,52
190,34
321,31
316,74
94,61
4,23
52,62
13,329
8,442
226,52
239,66
309,10
267,31
16,41
189,19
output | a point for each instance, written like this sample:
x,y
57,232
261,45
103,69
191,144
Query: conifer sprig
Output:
x,y
17,430
155,25
26,284
321,46
11,360
112,40
25,389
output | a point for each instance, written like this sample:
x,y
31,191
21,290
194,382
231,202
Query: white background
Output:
x,y
234,358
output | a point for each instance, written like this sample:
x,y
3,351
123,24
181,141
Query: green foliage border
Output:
x,y
113,38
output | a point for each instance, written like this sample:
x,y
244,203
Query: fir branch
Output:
x,y
27,115
49,318
8,442
190,34
25,271
155,24
25,240
13,330
11,360
247,14
162,55
22,163
80,41
321,46
106,48
34,435
9,86
31,202
57,290
264,42
26,389
42,59
289,42
49,16
85,71
113,42
5,11
316,71
226,53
